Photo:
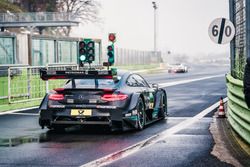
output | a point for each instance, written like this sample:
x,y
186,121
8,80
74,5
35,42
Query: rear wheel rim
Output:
x,y
141,115
163,106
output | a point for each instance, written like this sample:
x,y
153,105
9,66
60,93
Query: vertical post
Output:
x,y
247,28
232,43
100,52
55,52
29,49
47,82
155,48
9,84
29,81
30,46
155,27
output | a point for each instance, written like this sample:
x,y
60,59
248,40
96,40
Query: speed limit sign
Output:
x,y
221,31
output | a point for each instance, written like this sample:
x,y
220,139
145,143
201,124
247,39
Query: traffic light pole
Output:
x,y
155,26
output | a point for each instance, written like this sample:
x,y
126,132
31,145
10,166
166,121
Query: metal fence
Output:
x,y
136,57
239,47
21,84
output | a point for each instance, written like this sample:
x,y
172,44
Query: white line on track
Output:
x,y
26,114
151,140
15,111
182,118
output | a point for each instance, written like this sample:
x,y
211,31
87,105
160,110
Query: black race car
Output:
x,y
122,100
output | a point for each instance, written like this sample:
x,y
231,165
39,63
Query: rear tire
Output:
x,y
141,115
163,107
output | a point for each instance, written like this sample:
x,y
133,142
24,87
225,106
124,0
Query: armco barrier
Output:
x,y
238,112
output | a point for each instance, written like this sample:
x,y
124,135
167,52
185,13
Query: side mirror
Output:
x,y
154,85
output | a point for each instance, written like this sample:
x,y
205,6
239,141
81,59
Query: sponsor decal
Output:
x,y
56,106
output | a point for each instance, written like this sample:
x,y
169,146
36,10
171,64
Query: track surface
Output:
x,y
23,143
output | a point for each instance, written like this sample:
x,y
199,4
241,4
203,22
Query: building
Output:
x,y
40,50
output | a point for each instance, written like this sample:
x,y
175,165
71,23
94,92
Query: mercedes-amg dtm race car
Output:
x,y
122,100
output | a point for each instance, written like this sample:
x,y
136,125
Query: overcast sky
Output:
x,y
182,24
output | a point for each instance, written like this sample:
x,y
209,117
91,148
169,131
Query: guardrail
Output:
x,y
37,17
238,112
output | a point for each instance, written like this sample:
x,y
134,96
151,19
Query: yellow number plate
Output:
x,y
81,112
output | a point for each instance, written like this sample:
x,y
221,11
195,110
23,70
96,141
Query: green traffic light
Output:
x,y
111,60
82,58
86,51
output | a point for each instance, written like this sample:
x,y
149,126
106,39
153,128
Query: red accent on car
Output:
x,y
114,97
57,77
108,77
108,90
59,89
56,97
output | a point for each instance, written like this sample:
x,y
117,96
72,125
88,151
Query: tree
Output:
x,y
84,10
37,6
7,6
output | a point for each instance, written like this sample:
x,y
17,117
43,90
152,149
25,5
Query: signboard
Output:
x,y
221,31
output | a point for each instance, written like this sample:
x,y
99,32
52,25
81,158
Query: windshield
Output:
x,y
92,84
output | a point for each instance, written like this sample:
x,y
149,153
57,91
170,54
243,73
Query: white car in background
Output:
x,y
177,68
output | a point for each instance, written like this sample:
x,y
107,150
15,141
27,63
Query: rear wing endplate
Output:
x,y
77,74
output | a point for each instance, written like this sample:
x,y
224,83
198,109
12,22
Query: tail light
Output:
x,y
114,97
56,97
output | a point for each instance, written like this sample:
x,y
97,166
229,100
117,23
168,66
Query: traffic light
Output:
x,y
111,55
91,51
82,52
86,51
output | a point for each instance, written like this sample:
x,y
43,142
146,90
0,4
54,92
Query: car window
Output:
x,y
142,82
92,83
136,81
131,81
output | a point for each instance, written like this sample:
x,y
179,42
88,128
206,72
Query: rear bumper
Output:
x,y
114,118
82,123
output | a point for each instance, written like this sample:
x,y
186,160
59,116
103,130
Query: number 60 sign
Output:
x,y
221,31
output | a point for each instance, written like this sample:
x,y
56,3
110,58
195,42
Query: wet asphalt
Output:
x,y
24,143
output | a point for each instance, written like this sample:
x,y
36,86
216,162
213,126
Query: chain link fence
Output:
x,y
22,84
239,67
239,47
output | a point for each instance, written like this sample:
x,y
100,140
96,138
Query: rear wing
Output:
x,y
77,74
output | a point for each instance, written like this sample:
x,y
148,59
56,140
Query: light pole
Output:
x,y
155,28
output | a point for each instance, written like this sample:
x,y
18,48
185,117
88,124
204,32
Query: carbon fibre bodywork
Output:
x,y
86,106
